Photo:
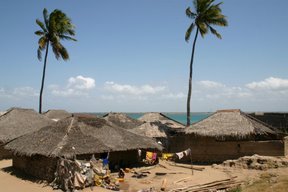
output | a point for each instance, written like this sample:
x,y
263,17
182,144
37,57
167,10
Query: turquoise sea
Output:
x,y
180,117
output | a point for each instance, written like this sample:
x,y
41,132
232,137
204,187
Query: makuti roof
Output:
x,y
154,129
79,136
154,117
122,120
17,122
230,123
57,114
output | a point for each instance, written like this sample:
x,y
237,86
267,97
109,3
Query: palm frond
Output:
x,y
218,21
213,31
41,25
207,14
203,5
203,29
64,53
188,32
39,33
42,42
195,3
55,50
190,14
67,37
39,54
58,27
46,17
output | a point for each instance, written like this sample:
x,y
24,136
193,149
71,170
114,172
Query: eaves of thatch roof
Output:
x,y
122,120
232,124
2,112
79,136
17,122
153,117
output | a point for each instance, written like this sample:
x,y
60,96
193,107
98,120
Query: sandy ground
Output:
x,y
13,181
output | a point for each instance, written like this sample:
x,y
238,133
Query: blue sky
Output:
x,y
131,56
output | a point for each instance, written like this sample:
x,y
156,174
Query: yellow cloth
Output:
x,y
149,155
166,156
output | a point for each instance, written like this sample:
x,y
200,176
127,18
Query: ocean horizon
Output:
x,y
177,116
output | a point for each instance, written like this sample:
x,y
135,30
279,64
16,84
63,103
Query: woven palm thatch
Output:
x,y
122,120
79,136
17,122
230,123
152,117
154,129
57,114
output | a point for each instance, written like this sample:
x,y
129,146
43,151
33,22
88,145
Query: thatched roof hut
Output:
x,y
152,129
122,120
154,117
57,114
231,124
17,122
79,136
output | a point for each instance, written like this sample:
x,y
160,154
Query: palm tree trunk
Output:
x,y
190,81
43,79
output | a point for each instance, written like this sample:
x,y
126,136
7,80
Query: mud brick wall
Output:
x,y
37,166
209,150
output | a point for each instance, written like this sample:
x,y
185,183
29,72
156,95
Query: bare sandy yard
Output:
x,y
176,177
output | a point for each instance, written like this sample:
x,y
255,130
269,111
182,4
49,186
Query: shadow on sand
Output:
x,y
23,176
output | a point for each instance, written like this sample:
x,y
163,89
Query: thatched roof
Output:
x,y
57,114
17,122
79,136
230,123
154,117
122,120
2,112
154,129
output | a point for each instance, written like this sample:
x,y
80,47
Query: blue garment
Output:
x,y
105,162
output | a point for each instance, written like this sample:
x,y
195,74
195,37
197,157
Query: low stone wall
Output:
x,y
5,154
38,166
206,149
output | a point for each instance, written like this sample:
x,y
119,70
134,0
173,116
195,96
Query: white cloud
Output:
x,y
76,86
210,84
270,83
175,95
81,83
133,90
216,90
25,91
19,92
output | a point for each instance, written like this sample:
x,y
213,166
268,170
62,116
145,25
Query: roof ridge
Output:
x,y
64,140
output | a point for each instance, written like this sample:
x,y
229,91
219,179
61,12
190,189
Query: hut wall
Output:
x,y
37,166
123,159
117,159
205,149
286,146
4,154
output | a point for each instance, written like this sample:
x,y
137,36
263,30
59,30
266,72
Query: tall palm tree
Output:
x,y
205,16
57,26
